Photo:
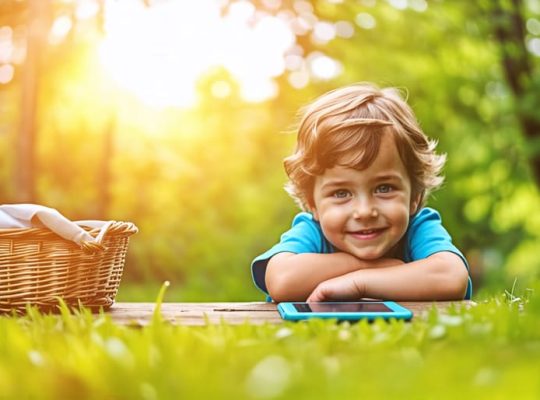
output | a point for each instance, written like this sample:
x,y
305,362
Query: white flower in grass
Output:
x,y
116,348
269,378
344,335
283,333
437,332
451,320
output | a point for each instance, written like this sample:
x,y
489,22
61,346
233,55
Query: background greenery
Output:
x,y
204,184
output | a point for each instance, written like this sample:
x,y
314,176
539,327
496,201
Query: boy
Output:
x,y
361,171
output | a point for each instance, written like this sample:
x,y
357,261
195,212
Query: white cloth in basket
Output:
x,y
37,216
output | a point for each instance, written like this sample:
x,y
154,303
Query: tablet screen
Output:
x,y
341,307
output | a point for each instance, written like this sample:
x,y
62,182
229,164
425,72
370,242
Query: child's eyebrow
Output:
x,y
335,183
388,177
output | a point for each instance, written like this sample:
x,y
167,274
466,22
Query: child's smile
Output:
x,y
365,213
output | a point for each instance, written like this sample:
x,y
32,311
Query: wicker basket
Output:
x,y
37,267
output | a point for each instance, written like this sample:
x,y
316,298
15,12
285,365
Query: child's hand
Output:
x,y
343,288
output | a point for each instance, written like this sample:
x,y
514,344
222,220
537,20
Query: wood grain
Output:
x,y
140,314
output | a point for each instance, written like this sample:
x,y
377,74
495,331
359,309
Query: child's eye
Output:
x,y
341,194
384,189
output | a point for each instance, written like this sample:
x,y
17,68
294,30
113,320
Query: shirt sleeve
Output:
x,y
304,236
427,236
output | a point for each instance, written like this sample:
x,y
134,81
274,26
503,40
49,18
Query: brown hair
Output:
x,y
345,127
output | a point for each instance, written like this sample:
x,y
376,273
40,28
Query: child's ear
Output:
x,y
313,210
415,203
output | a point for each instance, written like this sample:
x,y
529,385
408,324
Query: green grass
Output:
x,y
490,351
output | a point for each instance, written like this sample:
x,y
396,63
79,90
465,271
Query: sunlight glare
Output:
x,y
323,67
259,90
299,79
6,44
324,32
398,4
160,52
418,5
533,45
61,27
344,29
6,73
366,21
86,9
293,62
533,26
221,89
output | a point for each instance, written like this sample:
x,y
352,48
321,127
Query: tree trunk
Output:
x,y
509,29
104,183
25,170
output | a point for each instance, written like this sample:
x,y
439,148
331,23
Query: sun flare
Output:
x,y
160,52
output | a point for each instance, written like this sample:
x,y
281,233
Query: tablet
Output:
x,y
348,311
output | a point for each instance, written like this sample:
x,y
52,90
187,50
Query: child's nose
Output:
x,y
364,208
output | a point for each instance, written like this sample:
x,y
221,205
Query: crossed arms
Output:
x,y
341,276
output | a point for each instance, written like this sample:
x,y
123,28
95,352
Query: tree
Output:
x,y
508,26
38,26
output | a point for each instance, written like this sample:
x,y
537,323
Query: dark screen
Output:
x,y
341,307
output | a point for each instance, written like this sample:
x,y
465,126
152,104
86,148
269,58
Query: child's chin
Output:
x,y
361,254
367,255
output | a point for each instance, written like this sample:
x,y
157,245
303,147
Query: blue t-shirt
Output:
x,y
424,237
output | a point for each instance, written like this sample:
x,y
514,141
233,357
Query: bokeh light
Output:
x,y
365,21
6,73
159,53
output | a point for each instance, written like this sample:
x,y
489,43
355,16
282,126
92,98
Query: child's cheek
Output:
x,y
333,219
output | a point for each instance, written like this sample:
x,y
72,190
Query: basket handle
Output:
x,y
91,247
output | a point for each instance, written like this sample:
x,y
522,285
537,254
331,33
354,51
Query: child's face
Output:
x,y
365,213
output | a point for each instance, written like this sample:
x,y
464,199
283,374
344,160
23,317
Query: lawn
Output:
x,y
489,351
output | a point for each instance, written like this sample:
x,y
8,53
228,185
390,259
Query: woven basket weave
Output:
x,y
37,267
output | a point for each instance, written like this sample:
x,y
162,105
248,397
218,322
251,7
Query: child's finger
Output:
x,y
323,292
315,296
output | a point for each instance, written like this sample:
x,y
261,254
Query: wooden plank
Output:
x,y
196,313
140,314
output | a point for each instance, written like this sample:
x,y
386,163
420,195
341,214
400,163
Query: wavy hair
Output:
x,y
345,126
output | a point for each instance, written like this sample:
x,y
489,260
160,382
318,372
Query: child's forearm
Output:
x,y
292,277
441,276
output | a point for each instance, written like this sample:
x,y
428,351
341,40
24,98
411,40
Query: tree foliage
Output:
x,y
204,184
